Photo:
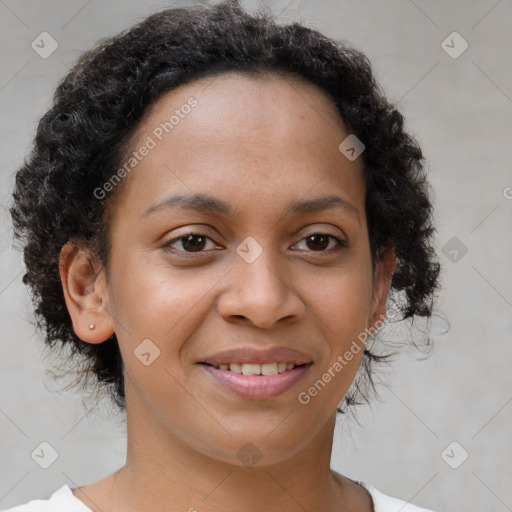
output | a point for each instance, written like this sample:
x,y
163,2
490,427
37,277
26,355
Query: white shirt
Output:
x,y
63,500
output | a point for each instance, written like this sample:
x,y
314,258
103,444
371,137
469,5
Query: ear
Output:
x,y
384,270
85,291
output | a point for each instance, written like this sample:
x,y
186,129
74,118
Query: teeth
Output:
x,y
235,368
257,369
269,369
251,369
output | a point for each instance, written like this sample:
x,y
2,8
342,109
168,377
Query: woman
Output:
x,y
215,212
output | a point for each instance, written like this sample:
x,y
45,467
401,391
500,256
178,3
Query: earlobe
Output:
x,y
85,293
384,269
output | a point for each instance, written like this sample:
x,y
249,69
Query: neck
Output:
x,y
162,472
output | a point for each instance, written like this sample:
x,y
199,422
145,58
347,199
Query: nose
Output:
x,y
259,293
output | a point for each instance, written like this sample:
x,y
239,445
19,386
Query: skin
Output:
x,y
258,144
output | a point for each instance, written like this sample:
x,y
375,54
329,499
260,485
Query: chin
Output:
x,y
256,448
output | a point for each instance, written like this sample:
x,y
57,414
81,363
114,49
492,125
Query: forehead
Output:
x,y
255,92
270,107
268,132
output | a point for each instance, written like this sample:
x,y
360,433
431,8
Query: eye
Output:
x,y
319,242
191,242
198,242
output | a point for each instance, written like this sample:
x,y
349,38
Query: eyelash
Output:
x,y
341,244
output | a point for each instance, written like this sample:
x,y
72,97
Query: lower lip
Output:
x,y
258,387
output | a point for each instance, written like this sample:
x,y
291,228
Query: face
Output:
x,y
239,243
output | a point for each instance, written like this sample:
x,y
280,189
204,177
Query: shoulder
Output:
x,y
61,500
384,503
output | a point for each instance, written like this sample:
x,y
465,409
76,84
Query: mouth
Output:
x,y
256,368
257,374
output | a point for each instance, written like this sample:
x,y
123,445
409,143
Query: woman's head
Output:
x,y
213,101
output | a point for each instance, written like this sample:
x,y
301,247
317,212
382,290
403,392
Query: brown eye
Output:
x,y
318,242
193,242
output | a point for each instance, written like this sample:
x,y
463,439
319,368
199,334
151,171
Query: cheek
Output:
x,y
152,299
156,309
343,306
342,299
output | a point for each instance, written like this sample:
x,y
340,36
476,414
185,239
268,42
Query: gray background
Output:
x,y
459,109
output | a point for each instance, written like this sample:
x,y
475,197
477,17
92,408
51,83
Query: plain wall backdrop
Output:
x,y
434,413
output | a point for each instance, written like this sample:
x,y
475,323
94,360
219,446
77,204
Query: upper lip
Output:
x,y
258,356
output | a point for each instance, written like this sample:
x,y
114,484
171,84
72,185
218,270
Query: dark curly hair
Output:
x,y
84,137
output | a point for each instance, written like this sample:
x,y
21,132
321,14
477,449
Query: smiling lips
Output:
x,y
258,374
257,369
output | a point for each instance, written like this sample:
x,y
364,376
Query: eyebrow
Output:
x,y
203,203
